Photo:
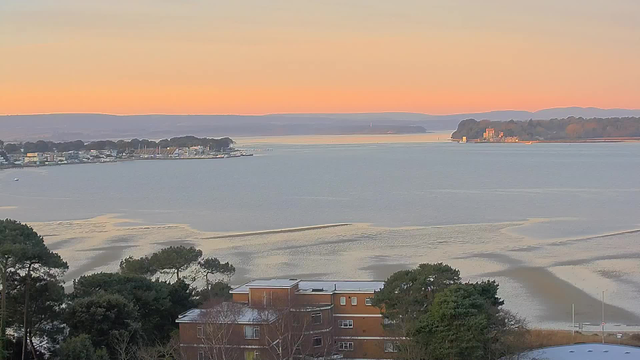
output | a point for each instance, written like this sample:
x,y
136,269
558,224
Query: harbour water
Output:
x,y
554,224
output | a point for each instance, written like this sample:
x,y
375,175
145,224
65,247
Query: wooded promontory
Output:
x,y
571,128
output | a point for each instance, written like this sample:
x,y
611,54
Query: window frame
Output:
x,y
368,301
354,300
313,341
349,346
254,330
345,324
200,332
343,300
200,355
316,315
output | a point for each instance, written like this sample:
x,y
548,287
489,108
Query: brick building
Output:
x,y
282,319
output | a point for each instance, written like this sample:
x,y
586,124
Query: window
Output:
x,y
316,318
354,300
200,331
345,324
201,355
390,346
368,301
251,332
251,355
295,320
345,346
343,300
317,341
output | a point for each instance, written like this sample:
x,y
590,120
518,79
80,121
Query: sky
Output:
x,y
277,56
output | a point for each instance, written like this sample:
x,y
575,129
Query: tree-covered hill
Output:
x,y
571,128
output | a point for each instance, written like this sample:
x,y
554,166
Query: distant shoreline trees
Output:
x,y
571,128
213,144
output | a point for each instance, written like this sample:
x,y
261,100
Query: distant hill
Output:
x,y
66,127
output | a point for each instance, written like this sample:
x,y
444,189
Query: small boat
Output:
x,y
16,179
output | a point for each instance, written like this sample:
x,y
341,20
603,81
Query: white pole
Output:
x,y
573,320
603,316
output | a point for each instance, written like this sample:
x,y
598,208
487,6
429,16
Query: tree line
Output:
x,y
555,129
129,314
120,145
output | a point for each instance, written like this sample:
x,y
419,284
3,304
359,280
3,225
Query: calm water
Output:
x,y
405,191
597,185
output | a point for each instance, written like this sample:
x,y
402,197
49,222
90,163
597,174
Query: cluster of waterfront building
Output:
x,y
193,152
59,158
104,156
490,136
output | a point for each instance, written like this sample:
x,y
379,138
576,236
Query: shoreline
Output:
x,y
562,141
111,162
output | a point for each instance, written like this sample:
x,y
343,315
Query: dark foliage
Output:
x,y
436,317
158,303
100,315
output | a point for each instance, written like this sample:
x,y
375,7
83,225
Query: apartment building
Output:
x,y
282,319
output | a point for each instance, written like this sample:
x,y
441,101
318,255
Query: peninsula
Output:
x,y
570,129
42,152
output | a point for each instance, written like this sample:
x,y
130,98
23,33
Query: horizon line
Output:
x,y
321,113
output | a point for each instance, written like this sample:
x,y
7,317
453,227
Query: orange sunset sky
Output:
x,y
277,56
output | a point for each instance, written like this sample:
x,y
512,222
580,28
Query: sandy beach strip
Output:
x,y
277,231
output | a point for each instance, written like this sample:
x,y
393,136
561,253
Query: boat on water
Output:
x,y
16,179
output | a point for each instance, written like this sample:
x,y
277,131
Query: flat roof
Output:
x,y
340,286
584,351
265,283
228,313
314,286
